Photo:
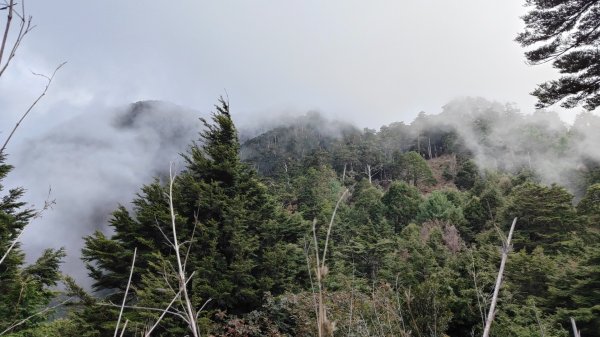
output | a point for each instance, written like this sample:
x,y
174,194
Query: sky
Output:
x,y
367,62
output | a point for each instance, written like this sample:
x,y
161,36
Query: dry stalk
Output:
x,y
325,327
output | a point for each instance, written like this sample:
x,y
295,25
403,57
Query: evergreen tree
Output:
x,y
467,175
546,216
317,192
589,206
576,292
366,234
24,289
244,244
438,207
401,204
565,32
412,168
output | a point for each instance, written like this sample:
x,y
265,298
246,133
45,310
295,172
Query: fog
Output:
x,y
501,137
92,163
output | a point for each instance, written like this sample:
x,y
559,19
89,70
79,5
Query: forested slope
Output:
x,y
395,232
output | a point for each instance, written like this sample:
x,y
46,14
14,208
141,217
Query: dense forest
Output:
x,y
316,228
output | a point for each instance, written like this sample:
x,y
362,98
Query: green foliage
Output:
x,y
421,264
24,289
467,175
244,244
565,33
526,320
576,293
317,192
366,237
438,207
589,206
546,216
401,203
412,168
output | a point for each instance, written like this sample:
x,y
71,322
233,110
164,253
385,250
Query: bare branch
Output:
x,y
202,307
167,311
12,245
23,321
24,28
126,291
181,272
9,17
124,327
31,106
145,308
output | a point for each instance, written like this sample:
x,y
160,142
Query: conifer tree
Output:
x,y
566,33
546,216
467,175
24,289
412,168
366,233
438,207
401,204
576,293
241,242
589,206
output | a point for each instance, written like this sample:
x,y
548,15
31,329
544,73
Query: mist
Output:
x,y
92,163
501,137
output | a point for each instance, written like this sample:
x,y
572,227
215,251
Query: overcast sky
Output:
x,y
369,62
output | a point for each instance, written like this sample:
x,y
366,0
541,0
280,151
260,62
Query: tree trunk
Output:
x,y
429,146
492,311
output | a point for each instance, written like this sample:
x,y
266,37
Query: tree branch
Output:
x,y
126,291
49,78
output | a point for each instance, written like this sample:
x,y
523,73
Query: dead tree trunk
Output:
x,y
429,147
576,332
505,250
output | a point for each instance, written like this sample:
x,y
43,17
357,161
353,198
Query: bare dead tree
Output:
x,y
576,332
506,247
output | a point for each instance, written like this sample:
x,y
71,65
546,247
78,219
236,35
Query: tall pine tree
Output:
x,y
241,242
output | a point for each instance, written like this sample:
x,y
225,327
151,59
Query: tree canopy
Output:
x,y
566,33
